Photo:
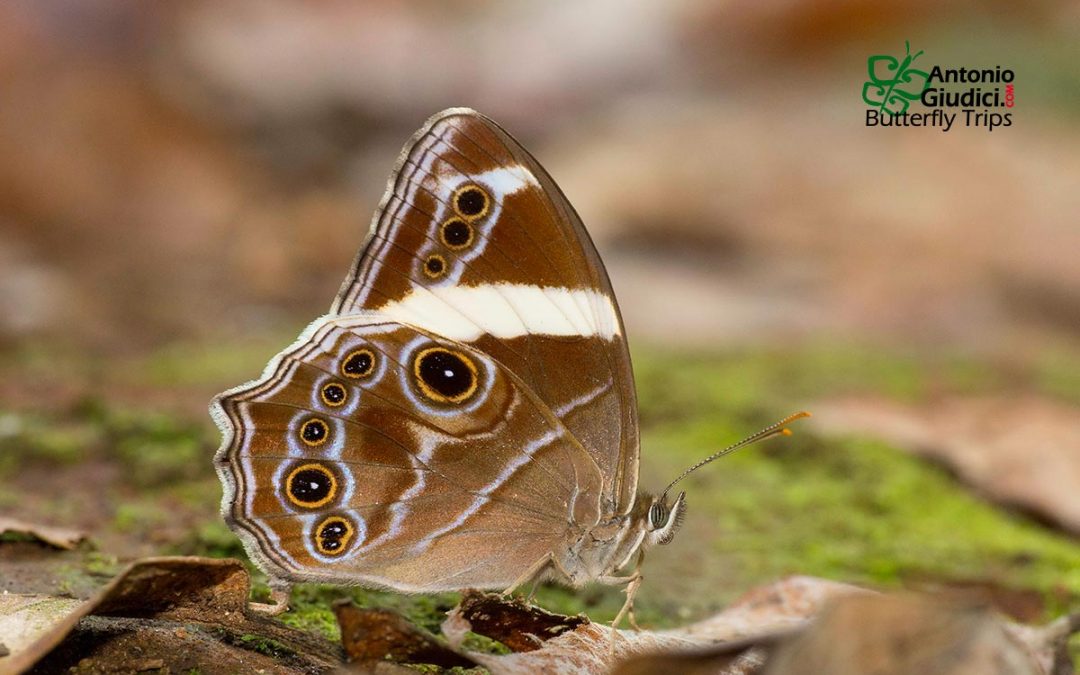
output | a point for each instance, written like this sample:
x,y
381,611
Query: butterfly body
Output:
x,y
465,415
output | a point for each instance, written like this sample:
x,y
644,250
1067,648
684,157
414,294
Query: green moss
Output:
x,y
310,605
474,642
852,509
264,645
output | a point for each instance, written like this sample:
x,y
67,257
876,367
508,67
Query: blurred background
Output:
x,y
183,186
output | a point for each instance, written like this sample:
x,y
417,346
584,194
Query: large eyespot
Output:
x,y
311,486
445,376
657,515
333,394
456,234
471,202
333,534
358,363
314,432
435,266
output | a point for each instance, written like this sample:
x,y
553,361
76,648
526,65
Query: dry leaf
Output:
x,y
989,442
60,537
186,612
370,636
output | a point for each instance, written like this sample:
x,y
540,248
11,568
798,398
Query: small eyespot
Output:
x,y
456,234
311,486
332,535
435,266
358,363
333,394
471,202
445,376
314,432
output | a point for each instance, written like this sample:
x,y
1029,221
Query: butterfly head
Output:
x,y
664,519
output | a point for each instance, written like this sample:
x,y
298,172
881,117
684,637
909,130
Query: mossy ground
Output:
x,y
853,509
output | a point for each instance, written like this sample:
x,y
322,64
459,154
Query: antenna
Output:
x,y
778,429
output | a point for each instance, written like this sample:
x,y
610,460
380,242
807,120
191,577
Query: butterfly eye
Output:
x,y
358,363
314,432
471,202
332,535
435,266
445,376
311,486
657,515
456,234
333,394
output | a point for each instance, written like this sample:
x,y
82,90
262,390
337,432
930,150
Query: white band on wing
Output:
x,y
464,313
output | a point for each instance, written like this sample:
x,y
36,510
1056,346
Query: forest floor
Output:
x,y
128,462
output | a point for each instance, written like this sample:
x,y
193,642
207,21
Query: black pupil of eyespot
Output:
x,y
434,265
471,202
358,364
334,393
310,485
456,233
446,373
314,431
331,535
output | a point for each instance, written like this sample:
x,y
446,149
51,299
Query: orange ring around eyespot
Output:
x,y
319,441
311,467
327,401
344,540
349,356
465,188
426,389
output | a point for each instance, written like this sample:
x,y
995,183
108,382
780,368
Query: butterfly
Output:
x,y
465,415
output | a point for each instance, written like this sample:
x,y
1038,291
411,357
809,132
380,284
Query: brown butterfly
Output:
x,y
465,415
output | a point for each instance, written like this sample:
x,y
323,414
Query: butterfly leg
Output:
x,y
279,600
536,575
533,573
632,583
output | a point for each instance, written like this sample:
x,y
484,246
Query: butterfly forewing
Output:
x,y
512,272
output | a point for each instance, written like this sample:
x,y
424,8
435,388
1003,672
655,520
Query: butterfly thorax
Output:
x,y
610,546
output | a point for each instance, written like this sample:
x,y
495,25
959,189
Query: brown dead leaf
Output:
x,y
882,634
186,612
587,648
370,636
60,537
911,635
1023,452
770,629
513,622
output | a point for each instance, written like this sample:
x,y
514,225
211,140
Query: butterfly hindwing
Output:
x,y
357,455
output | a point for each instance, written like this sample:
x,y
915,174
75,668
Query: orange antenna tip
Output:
x,y
785,432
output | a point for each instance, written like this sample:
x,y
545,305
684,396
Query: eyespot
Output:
x,y
333,534
456,234
314,432
471,202
657,515
445,376
358,363
311,486
333,394
435,266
